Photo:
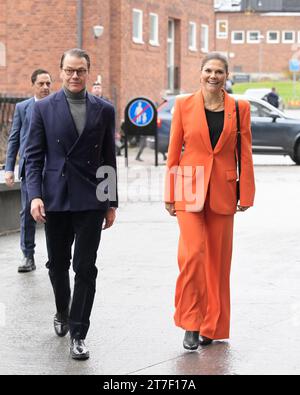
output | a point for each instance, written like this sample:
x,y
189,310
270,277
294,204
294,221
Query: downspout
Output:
x,y
79,23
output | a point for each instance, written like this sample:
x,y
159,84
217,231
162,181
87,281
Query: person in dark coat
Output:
x,y
273,98
41,88
72,187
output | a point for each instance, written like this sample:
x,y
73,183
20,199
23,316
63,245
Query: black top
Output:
x,y
215,122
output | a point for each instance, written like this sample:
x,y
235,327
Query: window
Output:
x,y
222,29
258,110
273,37
192,36
238,37
254,37
137,31
288,37
2,55
154,29
204,38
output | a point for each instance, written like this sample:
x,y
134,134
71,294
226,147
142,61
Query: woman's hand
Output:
x,y
170,207
242,208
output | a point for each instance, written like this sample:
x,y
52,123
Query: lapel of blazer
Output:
x,y
92,108
229,109
204,131
63,113
28,111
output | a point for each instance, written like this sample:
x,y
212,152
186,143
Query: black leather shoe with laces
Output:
x,y
28,265
79,350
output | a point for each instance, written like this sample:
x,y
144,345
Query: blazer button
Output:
x,y
62,175
96,146
58,141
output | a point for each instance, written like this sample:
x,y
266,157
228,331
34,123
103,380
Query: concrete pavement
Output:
x,y
132,330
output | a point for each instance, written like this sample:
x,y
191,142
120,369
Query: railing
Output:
x,y
7,108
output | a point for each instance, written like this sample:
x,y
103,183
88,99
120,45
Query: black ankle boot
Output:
x,y
191,340
204,341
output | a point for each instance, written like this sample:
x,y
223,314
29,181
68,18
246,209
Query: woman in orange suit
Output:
x,y
201,191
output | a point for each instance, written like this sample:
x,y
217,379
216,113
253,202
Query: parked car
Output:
x,y
273,132
261,93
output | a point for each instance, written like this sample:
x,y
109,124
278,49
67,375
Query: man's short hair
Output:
x,y
38,72
79,53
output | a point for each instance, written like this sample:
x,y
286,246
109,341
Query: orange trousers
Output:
x,y
202,298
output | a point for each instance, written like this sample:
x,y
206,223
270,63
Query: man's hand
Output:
x,y
170,207
110,217
9,177
38,211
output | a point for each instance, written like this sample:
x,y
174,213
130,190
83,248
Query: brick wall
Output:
x,y
36,33
143,66
264,57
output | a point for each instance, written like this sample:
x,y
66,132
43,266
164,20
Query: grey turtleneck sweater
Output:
x,y
77,103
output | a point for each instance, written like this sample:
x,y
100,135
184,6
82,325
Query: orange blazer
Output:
x,y
192,170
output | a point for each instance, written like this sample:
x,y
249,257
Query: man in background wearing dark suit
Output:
x,y
41,85
72,132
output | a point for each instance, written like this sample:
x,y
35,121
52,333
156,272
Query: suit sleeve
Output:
x,y
174,153
35,155
14,141
109,156
247,182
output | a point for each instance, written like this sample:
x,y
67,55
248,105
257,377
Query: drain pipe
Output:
x,y
79,23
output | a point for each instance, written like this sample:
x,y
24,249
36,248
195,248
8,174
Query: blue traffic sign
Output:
x,y
141,112
294,65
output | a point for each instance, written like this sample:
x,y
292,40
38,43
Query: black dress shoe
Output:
x,y
204,341
191,340
79,350
28,265
61,323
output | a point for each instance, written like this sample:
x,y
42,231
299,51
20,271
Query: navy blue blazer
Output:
x,y
18,136
61,166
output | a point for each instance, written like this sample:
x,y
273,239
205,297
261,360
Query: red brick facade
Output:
x,y
35,33
260,58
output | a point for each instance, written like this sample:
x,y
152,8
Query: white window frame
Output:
x,y
192,36
277,41
155,40
298,37
284,40
205,38
222,35
251,41
2,55
139,38
234,41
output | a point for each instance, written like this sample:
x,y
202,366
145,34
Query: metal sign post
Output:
x,y
140,120
294,66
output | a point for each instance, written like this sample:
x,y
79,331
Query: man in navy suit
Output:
x,y
72,187
41,85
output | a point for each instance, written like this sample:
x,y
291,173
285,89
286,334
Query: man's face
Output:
x,y
97,90
74,73
42,86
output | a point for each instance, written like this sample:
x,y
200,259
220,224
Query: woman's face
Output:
x,y
213,76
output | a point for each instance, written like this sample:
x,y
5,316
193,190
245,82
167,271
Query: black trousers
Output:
x,y
62,229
